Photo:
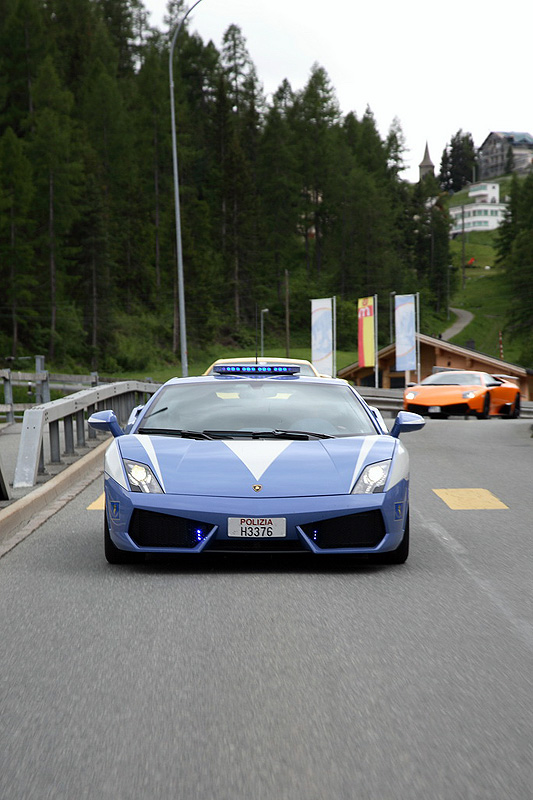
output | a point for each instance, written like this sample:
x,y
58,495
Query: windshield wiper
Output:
x,y
269,434
301,434
159,410
184,434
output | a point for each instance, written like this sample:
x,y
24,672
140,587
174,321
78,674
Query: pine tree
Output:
x,y
57,178
16,194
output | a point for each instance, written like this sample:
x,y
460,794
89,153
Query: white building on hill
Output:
x,y
483,213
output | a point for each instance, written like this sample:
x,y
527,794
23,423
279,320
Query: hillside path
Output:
x,y
463,318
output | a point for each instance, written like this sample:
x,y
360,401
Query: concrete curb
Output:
x,y
21,511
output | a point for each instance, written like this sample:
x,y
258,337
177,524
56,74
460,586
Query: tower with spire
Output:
x,y
426,166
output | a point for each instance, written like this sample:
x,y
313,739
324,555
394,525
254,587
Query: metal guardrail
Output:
x,y
40,383
69,409
389,401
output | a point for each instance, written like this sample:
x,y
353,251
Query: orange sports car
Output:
x,y
462,392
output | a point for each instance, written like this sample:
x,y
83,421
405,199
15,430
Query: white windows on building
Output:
x,y
483,212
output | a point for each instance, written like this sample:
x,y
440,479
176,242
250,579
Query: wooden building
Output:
x,y
436,353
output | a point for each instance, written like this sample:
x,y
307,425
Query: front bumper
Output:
x,y
338,524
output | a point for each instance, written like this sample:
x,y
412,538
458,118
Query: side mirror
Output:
x,y
105,421
405,422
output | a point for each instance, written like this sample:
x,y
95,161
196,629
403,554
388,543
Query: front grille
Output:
x,y
457,409
354,530
246,545
151,529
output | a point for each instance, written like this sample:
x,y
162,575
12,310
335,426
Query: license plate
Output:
x,y
257,527
434,410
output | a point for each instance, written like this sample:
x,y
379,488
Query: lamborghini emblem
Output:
x,y
257,487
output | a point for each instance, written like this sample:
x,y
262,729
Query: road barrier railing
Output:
x,y
73,409
39,386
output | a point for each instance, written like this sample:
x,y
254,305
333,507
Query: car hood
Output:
x,y
231,468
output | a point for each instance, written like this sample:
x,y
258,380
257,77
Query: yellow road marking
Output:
x,y
98,504
469,499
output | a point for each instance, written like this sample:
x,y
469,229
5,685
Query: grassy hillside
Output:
x,y
485,296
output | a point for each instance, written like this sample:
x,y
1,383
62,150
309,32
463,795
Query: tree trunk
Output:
x,y
13,282
94,337
53,276
156,192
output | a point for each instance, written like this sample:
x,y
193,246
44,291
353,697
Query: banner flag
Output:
x,y
404,322
322,335
366,333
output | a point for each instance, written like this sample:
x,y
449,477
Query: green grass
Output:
x,y
480,246
485,296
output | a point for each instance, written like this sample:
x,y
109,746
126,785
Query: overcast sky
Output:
x,y
438,67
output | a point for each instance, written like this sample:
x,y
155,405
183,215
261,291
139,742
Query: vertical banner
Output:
x,y
404,322
366,331
322,335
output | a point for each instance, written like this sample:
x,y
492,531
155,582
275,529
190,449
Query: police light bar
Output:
x,y
256,369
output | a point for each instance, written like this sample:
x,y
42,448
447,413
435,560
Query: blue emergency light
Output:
x,y
256,369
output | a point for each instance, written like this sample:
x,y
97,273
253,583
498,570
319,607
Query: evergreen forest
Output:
x,y
282,199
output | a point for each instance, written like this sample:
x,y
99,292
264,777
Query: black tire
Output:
x,y
398,556
516,408
486,408
113,554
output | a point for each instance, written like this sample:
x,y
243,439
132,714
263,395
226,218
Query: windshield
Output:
x,y
452,379
258,405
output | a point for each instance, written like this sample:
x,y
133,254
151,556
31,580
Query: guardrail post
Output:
x,y
55,456
4,485
68,429
92,432
45,388
42,391
40,469
80,429
8,397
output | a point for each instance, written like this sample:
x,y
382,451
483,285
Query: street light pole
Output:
x,y
181,289
391,295
263,312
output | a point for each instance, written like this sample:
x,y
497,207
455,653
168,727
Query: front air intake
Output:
x,y
151,529
354,530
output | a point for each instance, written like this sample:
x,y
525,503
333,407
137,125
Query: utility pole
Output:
x,y
287,320
463,256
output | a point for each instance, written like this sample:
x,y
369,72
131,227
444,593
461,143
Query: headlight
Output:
x,y
141,478
372,478
469,395
411,395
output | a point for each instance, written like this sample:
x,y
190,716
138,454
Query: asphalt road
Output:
x,y
245,679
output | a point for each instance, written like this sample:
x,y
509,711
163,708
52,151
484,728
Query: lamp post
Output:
x,y
391,295
181,289
263,312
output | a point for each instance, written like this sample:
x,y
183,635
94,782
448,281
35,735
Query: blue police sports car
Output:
x,y
256,458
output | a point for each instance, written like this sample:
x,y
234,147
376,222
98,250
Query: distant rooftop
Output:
x,y
518,138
